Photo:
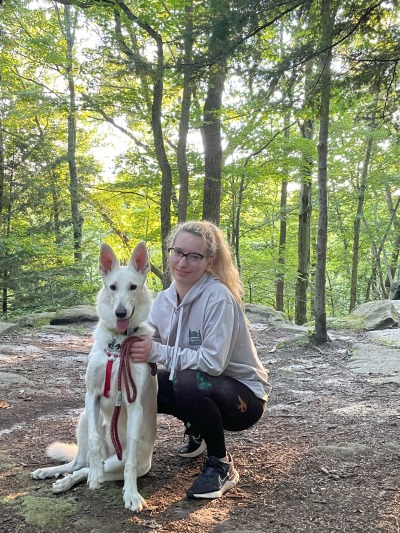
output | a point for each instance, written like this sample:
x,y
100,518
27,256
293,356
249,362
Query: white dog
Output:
x,y
117,430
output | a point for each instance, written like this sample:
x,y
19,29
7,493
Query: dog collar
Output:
x,y
113,352
126,332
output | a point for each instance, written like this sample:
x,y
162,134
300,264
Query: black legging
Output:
x,y
209,404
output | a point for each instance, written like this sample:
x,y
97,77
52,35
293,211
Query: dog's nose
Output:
x,y
120,313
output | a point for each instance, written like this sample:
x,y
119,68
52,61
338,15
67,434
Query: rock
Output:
x,y
36,320
392,447
350,322
7,327
379,314
265,314
395,290
344,449
378,363
80,313
8,378
387,337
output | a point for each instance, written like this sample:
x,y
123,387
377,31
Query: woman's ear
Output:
x,y
210,261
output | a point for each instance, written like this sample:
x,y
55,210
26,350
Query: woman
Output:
x,y
213,379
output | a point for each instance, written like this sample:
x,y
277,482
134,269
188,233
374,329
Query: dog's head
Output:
x,y
124,300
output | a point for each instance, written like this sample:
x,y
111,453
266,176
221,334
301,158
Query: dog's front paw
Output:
x,y
95,477
134,502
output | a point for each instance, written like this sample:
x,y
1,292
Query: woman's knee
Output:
x,y
192,383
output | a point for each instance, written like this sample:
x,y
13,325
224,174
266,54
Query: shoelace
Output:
x,y
209,467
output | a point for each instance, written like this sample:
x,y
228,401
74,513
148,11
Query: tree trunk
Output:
x,y
303,240
77,219
165,167
280,278
360,208
212,143
5,266
2,166
156,126
396,245
184,120
327,19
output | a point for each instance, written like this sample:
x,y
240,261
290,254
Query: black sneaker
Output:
x,y
217,478
194,447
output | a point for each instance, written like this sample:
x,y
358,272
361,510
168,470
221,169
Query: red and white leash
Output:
x,y
124,372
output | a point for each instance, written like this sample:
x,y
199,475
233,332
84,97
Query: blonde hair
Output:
x,y
217,248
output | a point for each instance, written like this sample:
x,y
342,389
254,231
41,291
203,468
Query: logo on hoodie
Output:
x,y
194,338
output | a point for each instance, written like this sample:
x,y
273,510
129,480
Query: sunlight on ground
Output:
x,y
390,522
11,497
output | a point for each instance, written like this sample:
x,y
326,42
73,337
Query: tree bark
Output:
x,y
396,245
360,208
303,239
211,129
185,115
212,143
157,130
2,166
77,219
280,278
327,18
165,167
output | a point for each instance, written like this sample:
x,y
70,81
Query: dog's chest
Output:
x,y
103,365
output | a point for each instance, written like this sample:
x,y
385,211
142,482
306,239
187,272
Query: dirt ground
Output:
x,y
324,458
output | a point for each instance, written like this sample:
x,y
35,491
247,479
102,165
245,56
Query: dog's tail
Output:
x,y
61,451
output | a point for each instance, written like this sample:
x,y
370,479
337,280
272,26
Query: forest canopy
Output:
x,y
278,121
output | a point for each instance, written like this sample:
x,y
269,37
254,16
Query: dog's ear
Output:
x,y
107,259
140,258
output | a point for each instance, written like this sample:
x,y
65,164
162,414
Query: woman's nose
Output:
x,y
183,258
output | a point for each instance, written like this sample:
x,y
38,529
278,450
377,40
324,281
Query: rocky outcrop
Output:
x,y
375,315
80,313
381,314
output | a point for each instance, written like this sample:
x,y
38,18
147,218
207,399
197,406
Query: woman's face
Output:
x,y
186,271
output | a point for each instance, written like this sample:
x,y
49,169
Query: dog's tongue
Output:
x,y
122,324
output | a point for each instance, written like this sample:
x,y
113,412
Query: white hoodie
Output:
x,y
206,332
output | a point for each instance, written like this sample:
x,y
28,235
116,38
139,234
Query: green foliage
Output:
x,y
272,87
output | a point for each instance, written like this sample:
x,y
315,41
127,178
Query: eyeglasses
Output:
x,y
192,257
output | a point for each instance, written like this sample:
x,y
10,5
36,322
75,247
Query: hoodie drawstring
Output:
x,y
176,347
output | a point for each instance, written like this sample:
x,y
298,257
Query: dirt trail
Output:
x,y
324,458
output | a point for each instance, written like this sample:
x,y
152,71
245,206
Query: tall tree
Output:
x,y
328,12
303,236
68,24
184,122
280,278
360,204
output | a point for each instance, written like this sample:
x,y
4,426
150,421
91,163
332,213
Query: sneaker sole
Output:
x,y
190,455
217,494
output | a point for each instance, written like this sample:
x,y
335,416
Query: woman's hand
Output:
x,y
141,349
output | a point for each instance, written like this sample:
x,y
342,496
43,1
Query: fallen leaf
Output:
x,y
4,405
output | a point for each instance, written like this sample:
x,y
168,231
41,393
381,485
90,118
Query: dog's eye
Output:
x,y
133,287
113,287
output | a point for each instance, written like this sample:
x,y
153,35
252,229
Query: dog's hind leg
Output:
x,y
116,473
67,482
114,468
79,461
96,466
